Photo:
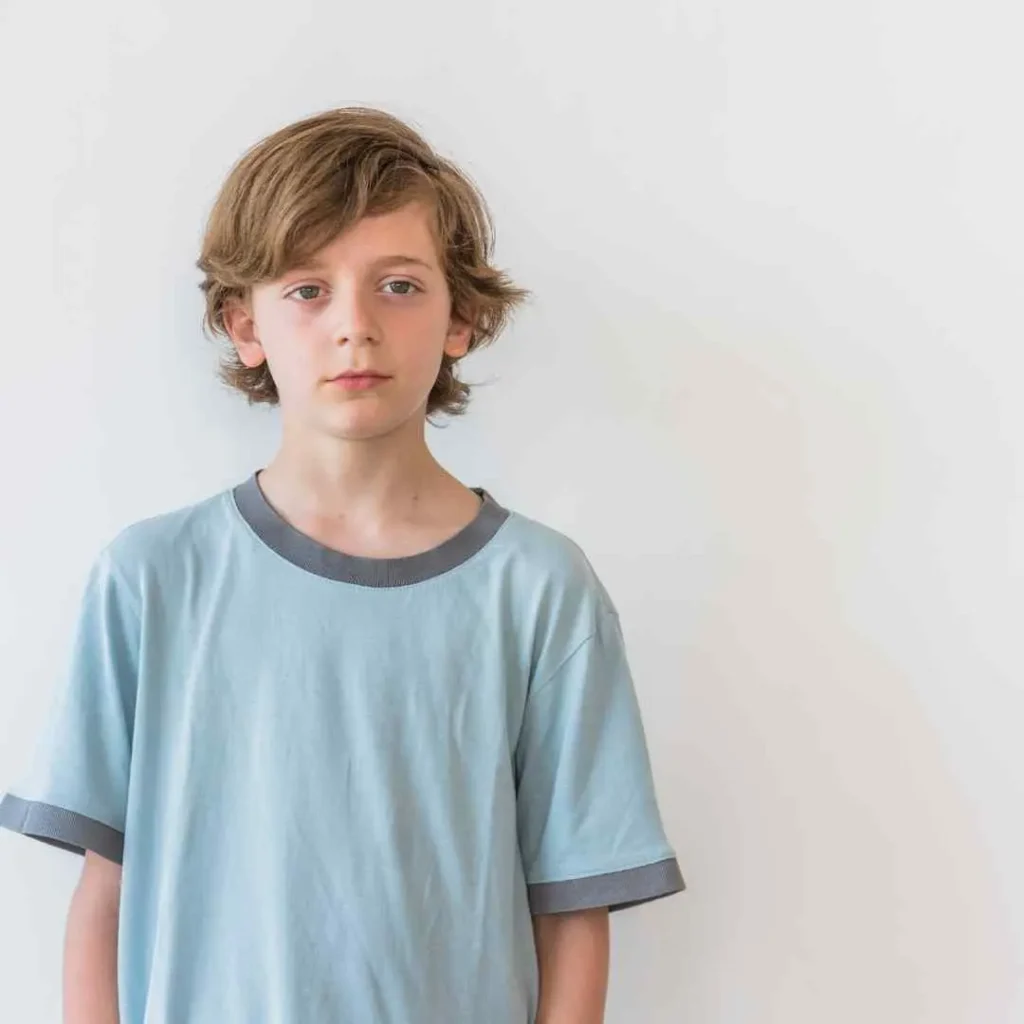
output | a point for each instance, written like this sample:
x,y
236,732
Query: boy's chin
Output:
x,y
362,421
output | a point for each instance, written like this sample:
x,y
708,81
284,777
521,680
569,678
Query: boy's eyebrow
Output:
x,y
381,261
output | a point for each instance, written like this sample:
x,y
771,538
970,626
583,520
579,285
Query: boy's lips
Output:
x,y
358,381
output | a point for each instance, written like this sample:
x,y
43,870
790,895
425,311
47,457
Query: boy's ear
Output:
x,y
241,329
459,334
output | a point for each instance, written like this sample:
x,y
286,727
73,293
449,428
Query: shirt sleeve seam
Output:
x,y
540,687
117,572
646,860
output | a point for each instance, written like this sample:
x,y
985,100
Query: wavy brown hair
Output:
x,y
294,191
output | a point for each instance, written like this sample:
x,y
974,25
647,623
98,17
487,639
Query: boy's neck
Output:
x,y
364,499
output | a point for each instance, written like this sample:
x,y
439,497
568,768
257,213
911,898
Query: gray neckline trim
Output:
x,y
302,550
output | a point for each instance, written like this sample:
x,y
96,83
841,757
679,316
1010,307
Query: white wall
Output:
x,y
770,382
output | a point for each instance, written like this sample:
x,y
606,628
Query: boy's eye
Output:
x,y
315,287
411,285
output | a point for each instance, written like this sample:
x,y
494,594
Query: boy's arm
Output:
x,y
572,956
90,945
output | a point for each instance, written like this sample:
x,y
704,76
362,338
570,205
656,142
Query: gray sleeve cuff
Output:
x,y
60,827
616,890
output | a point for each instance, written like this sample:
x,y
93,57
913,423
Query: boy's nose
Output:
x,y
352,319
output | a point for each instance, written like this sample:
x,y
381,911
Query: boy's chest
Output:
x,y
381,694
358,765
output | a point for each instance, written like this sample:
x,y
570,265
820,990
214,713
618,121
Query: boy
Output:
x,y
348,741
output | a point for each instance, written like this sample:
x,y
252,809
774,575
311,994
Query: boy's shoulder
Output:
x,y
166,537
554,558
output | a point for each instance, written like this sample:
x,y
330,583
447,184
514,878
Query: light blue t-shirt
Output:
x,y
339,786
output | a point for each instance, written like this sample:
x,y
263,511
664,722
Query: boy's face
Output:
x,y
358,308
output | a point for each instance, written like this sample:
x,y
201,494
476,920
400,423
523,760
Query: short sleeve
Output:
x,y
75,794
590,831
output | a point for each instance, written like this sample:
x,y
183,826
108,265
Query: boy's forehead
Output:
x,y
321,262
403,236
